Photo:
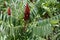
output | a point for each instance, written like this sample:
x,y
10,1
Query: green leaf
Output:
x,y
54,21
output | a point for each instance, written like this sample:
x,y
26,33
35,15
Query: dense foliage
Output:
x,y
29,20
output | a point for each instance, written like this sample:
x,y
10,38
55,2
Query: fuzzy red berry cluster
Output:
x,y
26,12
9,11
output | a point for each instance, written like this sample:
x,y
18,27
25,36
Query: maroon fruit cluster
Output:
x,y
27,12
9,11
